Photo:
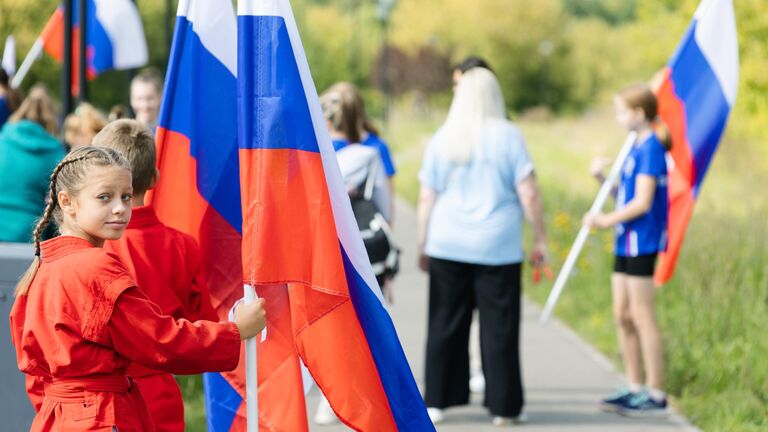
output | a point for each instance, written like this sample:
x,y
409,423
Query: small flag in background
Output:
x,y
299,234
695,98
9,56
115,37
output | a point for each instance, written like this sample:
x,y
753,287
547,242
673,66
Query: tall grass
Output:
x,y
714,312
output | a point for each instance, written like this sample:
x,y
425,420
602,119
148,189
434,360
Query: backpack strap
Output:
x,y
370,180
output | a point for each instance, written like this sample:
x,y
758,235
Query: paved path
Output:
x,y
563,376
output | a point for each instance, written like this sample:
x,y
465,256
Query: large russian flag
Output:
x,y
199,193
299,233
115,37
696,95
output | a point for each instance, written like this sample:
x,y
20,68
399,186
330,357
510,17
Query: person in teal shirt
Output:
x,y
28,153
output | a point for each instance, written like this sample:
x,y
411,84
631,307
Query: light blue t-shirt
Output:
x,y
477,217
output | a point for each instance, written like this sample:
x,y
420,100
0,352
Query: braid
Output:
x,y
50,210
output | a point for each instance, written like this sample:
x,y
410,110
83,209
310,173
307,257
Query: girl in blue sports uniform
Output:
x,y
640,221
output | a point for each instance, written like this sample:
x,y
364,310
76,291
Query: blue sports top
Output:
x,y
646,234
373,141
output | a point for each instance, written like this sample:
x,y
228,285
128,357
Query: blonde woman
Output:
x,y
477,185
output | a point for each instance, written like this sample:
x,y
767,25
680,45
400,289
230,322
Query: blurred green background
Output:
x,y
558,61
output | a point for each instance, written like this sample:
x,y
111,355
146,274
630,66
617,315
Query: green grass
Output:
x,y
713,314
194,402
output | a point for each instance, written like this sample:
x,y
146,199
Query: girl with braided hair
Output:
x,y
79,320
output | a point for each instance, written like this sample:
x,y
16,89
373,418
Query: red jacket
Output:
x,y
166,265
81,324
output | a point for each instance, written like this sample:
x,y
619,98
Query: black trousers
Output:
x,y
455,289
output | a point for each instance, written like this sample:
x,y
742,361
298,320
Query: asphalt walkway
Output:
x,y
563,376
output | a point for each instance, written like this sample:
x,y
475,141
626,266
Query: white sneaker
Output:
x,y
324,415
436,415
507,421
477,383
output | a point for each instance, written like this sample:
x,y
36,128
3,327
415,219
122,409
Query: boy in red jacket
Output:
x,y
164,262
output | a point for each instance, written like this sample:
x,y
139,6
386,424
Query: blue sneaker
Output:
x,y
643,406
617,401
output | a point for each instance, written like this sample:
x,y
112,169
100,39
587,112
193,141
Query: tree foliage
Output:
x,y
563,54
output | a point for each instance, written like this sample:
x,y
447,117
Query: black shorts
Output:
x,y
635,266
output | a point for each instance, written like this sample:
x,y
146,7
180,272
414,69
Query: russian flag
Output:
x,y
696,95
115,37
300,235
198,192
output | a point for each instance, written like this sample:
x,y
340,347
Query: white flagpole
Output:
x,y
32,55
581,238
251,377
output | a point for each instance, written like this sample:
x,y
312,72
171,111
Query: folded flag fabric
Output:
x,y
198,191
697,93
299,232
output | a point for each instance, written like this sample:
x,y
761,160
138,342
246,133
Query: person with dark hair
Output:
x,y
8,98
118,112
468,63
28,153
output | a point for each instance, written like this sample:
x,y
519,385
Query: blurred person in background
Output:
x,y
468,63
368,133
146,95
81,126
477,186
9,100
476,377
28,153
118,112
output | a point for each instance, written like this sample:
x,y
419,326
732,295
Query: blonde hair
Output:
x,y
38,108
86,120
640,96
69,175
477,99
358,105
340,109
135,142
